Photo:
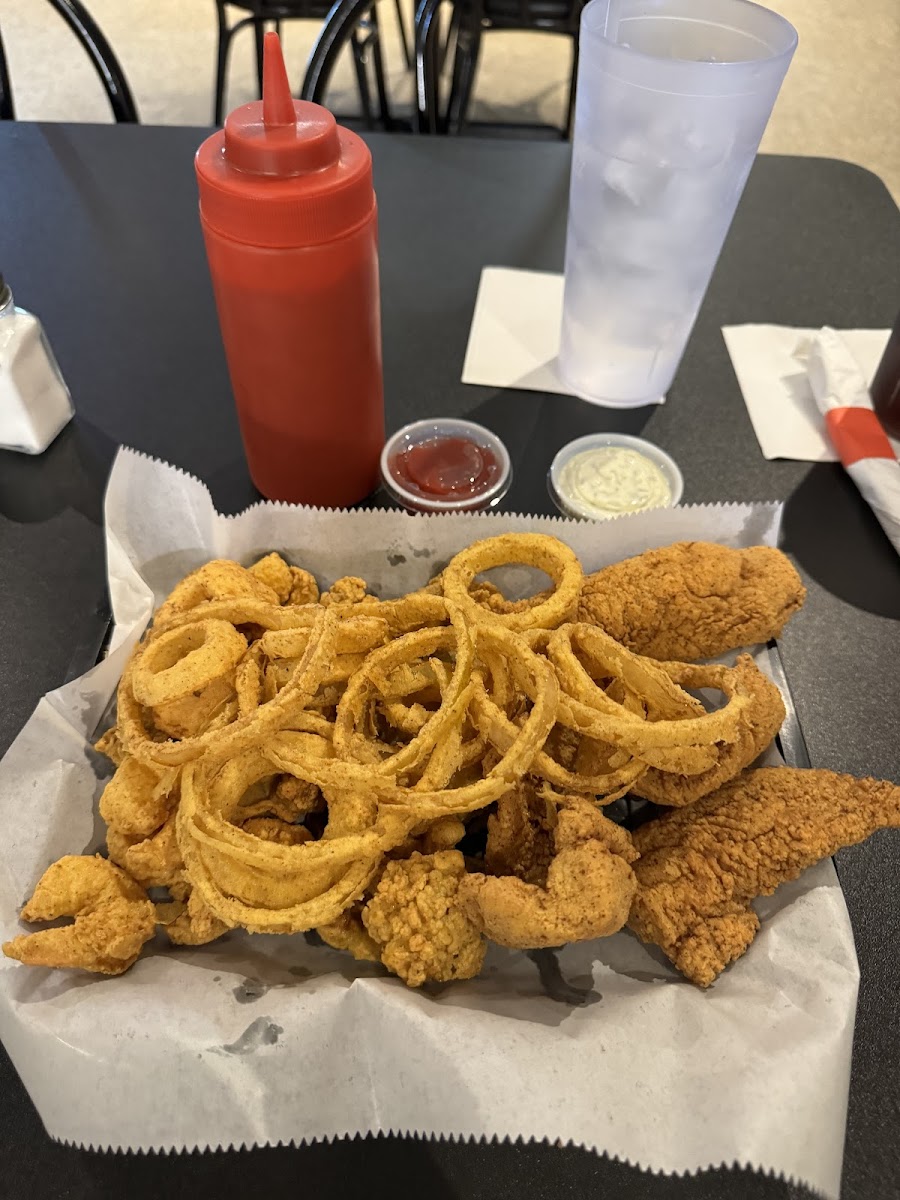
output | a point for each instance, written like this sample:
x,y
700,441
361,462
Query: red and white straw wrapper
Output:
x,y
842,395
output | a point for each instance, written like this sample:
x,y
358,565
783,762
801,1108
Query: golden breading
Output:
x,y
138,798
757,725
275,573
193,924
415,918
587,895
113,918
348,933
693,599
304,589
701,867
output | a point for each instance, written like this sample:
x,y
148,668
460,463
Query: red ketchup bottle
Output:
x,y
289,219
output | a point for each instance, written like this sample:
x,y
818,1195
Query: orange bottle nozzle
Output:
x,y
278,103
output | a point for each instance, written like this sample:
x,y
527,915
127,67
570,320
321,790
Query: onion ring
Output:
x,y
186,660
536,550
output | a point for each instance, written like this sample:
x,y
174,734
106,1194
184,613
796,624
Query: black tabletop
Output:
x,y
99,236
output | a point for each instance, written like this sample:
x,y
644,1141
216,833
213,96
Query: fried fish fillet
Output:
x,y
693,600
701,867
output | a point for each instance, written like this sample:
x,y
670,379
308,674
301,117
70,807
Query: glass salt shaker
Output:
x,y
34,401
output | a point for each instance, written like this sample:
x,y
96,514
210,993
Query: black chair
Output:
x,y
353,25
469,21
100,53
261,13
7,112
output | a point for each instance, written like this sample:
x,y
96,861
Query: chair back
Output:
x,y
441,104
98,50
550,16
442,97
353,25
7,111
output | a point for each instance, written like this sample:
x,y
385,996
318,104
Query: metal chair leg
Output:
x,y
573,82
465,67
452,33
407,48
223,47
101,55
426,30
7,111
378,64
259,33
358,50
435,120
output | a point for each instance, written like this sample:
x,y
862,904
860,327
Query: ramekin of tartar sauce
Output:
x,y
608,475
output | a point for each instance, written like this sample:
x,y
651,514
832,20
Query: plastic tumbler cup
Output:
x,y
673,98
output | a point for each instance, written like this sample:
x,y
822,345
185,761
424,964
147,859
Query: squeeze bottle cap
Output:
x,y
283,172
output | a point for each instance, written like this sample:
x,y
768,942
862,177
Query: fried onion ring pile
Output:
x,y
410,777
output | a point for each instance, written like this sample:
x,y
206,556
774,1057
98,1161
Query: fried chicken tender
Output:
x,y
693,599
289,800
113,918
700,868
415,918
271,829
191,922
491,597
275,573
520,835
588,891
220,579
758,723
348,933
110,745
350,589
304,589
138,798
154,862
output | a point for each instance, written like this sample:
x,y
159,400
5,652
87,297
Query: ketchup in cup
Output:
x,y
448,466
289,220
445,465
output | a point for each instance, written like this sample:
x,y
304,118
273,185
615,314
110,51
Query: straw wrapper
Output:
x,y
842,395
255,1040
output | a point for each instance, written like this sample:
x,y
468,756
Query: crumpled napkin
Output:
x,y
842,396
771,370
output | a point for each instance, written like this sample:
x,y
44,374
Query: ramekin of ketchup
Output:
x,y
445,465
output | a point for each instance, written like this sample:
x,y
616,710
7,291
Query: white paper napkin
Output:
x,y
514,338
842,395
768,362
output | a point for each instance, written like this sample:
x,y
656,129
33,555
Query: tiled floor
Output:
x,y
841,97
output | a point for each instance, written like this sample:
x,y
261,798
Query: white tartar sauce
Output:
x,y
611,480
